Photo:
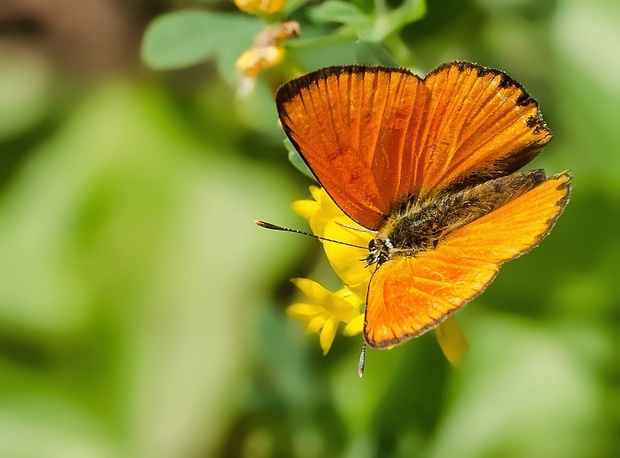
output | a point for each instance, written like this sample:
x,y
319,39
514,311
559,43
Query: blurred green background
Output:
x,y
142,312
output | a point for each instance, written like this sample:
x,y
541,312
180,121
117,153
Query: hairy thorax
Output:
x,y
419,224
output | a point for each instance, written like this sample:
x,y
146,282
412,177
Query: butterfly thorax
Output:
x,y
420,223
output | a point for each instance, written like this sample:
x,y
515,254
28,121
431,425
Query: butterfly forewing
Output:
x,y
353,126
409,295
481,124
374,135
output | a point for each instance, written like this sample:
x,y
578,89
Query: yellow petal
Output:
x,y
360,289
303,312
327,334
253,61
305,208
308,287
315,192
351,297
452,340
333,305
328,210
340,309
355,326
347,261
260,6
316,324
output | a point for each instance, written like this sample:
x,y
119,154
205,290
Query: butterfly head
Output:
x,y
380,250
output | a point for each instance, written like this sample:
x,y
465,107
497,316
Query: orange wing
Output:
x,y
410,295
373,135
481,124
353,126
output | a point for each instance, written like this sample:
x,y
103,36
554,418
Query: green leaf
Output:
x,y
324,51
292,6
188,37
26,93
515,361
112,235
371,53
383,23
389,21
339,11
296,160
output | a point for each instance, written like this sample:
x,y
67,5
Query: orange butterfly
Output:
x,y
431,167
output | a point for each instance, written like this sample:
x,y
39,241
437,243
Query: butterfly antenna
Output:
x,y
275,227
362,361
358,229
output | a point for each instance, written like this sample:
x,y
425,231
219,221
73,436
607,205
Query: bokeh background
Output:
x,y
142,312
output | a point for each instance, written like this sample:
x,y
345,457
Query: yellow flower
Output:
x,y
327,310
327,220
255,60
266,52
258,7
452,341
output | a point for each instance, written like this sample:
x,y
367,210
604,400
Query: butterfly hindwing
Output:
x,y
409,295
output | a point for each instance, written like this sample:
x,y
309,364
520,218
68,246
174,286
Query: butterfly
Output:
x,y
431,166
